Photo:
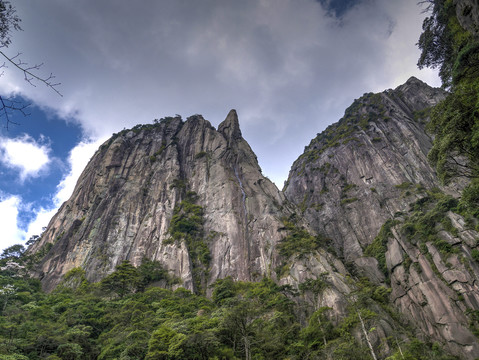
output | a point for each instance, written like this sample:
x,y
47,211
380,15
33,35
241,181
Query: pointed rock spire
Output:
x,y
230,126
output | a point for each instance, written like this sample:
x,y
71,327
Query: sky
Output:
x,y
289,67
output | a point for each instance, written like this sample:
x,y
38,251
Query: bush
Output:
x,y
298,241
475,254
470,198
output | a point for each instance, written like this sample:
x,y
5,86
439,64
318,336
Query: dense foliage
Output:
x,y
455,121
298,241
128,316
442,39
187,225
9,21
134,313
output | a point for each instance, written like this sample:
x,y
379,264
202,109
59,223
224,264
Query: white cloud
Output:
x,y
11,233
78,159
11,205
288,67
28,156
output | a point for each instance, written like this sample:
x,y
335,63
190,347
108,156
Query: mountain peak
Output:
x,y
230,126
414,79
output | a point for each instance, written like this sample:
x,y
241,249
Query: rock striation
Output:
x,y
361,206
124,201
350,178
366,184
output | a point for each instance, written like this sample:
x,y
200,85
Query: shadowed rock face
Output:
x,y
352,178
467,12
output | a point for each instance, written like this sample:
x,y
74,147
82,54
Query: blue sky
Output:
x,y
289,67
35,170
339,7
41,135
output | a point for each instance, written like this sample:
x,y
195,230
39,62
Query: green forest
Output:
x,y
134,313
128,316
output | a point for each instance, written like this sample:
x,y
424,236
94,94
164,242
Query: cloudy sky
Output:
x,y
289,67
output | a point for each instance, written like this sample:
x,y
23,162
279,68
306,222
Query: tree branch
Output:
x,y
8,104
28,73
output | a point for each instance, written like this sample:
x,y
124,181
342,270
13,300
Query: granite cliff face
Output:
x,y
132,202
467,12
362,202
125,199
349,179
365,183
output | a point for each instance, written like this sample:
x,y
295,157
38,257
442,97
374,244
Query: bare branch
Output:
x,y
9,22
7,105
28,72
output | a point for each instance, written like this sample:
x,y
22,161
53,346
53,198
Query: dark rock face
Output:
x,y
356,177
467,12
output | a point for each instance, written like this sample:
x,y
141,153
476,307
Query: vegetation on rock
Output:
x,y
187,225
134,313
82,320
455,121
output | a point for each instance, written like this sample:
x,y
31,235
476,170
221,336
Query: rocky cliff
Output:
x,y
124,202
365,183
182,193
362,223
351,178
467,12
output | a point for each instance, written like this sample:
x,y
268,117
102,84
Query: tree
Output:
x,y
10,22
123,280
436,42
150,272
159,343
13,252
446,45
455,121
237,326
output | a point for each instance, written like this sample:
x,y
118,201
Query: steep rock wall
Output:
x,y
366,183
354,177
124,202
434,283
351,177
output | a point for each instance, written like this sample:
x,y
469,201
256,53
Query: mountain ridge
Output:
x,y
193,198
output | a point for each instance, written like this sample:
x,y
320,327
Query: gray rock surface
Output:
x,y
370,167
366,169
467,12
123,204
